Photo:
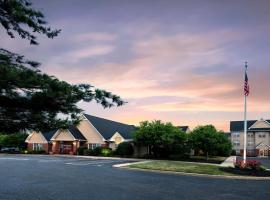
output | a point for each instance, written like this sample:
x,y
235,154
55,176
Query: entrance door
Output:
x,y
61,147
67,148
266,152
263,153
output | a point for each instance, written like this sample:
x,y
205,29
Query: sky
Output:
x,y
179,61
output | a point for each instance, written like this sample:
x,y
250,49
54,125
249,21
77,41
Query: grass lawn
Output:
x,y
179,166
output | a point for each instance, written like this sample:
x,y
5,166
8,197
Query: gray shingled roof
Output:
x,y
238,126
107,128
48,134
183,128
76,133
73,130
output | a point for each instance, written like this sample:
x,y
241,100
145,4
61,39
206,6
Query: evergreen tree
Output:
x,y
30,99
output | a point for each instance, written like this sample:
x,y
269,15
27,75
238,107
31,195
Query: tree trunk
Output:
x,y
207,156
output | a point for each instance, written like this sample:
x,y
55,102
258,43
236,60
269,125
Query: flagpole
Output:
x,y
245,124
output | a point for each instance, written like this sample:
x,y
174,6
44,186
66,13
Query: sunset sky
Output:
x,y
180,61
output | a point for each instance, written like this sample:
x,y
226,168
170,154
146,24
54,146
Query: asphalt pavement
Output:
x,y
33,177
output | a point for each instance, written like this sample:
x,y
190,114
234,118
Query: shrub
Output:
x,y
88,152
96,151
125,149
233,153
250,164
106,152
37,152
13,140
81,150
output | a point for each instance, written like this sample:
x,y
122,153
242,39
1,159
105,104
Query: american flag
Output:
x,y
246,85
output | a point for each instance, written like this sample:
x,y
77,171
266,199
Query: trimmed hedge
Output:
x,y
124,149
81,150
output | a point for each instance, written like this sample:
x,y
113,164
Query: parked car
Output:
x,y
10,150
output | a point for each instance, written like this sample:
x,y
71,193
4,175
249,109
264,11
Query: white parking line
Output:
x,y
14,159
47,161
89,163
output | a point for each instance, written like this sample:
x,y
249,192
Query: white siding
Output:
x,y
90,133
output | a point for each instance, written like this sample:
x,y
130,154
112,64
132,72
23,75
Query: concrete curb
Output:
x,y
125,166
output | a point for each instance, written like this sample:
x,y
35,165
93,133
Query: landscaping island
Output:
x,y
198,168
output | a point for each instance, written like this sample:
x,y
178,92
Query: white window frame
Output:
x,y
236,134
250,135
37,147
236,143
93,145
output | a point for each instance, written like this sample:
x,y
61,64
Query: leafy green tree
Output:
x,y
160,138
13,140
30,99
210,141
224,145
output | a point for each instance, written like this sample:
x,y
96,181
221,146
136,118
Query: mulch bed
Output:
x,y
247,172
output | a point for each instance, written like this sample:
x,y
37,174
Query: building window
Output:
x,y
250,143
250,135
236,143
93,146
236,135
262,135
37,146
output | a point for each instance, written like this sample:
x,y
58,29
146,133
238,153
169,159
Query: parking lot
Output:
x,y
33,177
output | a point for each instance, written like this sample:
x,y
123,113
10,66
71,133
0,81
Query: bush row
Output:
x,y
124,149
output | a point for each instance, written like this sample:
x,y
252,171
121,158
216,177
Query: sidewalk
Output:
x,y
229,162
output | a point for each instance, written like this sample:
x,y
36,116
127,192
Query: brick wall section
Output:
x,y
56,148
45,147
29,146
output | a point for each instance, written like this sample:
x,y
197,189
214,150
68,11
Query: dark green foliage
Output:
x,y
233,152
124,149
36,152
16,15
96,151
210,141
30,99
88,152
106,152
161,138
81,150
13,140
